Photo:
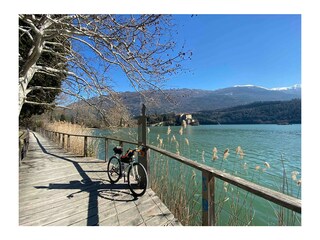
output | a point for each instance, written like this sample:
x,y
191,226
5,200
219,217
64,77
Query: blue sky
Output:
x,y
227,50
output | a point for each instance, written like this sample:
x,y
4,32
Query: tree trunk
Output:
x,y
23,85
29,69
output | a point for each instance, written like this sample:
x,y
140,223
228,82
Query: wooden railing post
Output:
x,y
142,138
208,211
106,148
20,151
63,137
59,139
68,142
23,145
85,147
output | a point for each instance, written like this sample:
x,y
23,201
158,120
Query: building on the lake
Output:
x,y
187,117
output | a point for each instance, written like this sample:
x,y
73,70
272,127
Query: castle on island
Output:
x,y
187,117
172,120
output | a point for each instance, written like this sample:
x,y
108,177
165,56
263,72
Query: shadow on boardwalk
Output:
x,y
59,188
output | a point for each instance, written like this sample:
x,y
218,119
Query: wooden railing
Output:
x,y
208,187
61,136
23,144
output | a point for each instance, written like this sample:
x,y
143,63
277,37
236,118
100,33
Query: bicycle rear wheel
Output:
x,y
114,169
137,179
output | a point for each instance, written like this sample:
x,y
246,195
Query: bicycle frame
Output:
x,y
125,166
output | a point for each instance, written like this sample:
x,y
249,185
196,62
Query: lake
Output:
x,y
269,155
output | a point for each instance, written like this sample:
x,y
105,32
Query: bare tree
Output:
x,y
94,46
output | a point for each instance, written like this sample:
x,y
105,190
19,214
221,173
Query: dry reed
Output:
x,y
76,143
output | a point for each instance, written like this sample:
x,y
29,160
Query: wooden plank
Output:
x,y
63,176
53,195
60,191
56,211
82,213
130,217
110,221
107,217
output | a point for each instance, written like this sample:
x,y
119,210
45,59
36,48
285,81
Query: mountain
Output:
x,y
292,88
195,100
275,112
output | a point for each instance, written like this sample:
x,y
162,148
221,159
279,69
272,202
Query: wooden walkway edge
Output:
x,y
57,188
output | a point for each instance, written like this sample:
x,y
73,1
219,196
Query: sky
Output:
x,y
228,50
219,78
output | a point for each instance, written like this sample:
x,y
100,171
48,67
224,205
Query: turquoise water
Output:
x,y
270,156
277,145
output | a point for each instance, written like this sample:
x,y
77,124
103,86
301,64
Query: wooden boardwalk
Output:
x,y
61,189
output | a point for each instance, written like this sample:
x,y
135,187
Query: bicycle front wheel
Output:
x,y
114,169
137,179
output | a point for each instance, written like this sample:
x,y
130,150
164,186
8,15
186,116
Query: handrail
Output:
x,y
266,193
93,136
208,180
86,136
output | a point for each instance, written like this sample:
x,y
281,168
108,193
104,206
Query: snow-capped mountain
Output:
x,y
249,86
294,87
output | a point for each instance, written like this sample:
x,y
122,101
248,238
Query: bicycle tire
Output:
x,y
114,169
137,179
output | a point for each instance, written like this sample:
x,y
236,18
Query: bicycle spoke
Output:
x,y
138,179
114,169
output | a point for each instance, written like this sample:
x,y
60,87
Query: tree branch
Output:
x,y
46,104
86,47
30,89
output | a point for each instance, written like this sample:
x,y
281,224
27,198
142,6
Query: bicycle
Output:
x,y
137,177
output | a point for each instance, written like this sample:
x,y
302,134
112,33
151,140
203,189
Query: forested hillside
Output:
x,y
276,112
193,100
